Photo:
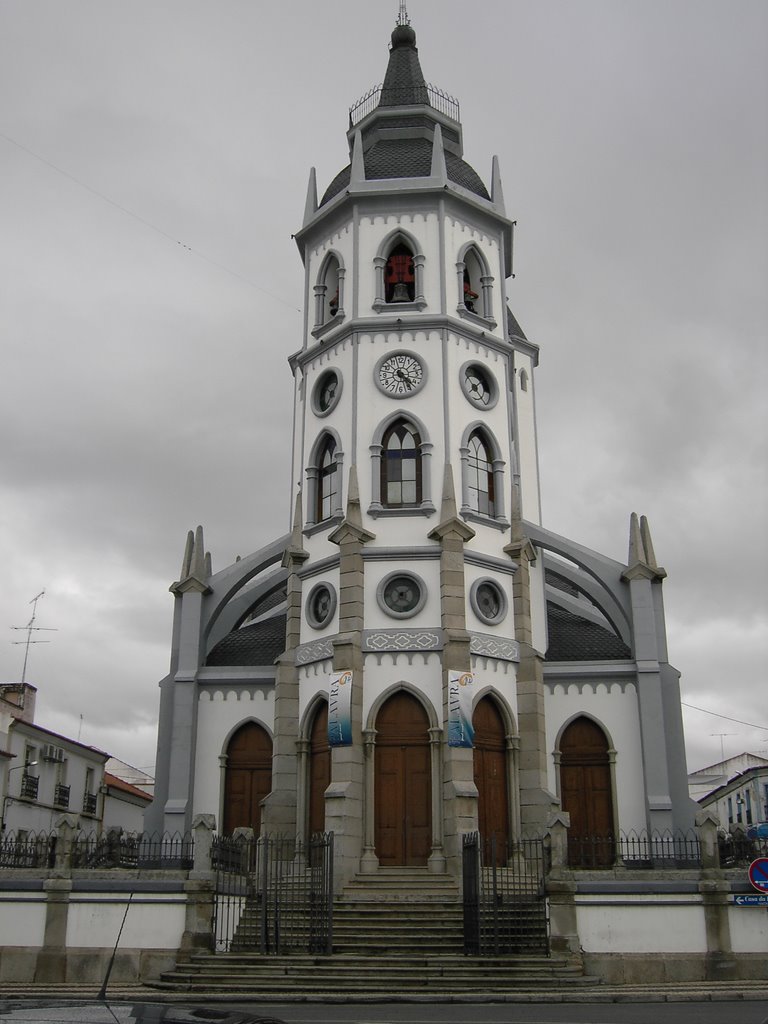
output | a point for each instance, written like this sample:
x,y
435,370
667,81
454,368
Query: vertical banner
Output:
x,y
461,733
340,709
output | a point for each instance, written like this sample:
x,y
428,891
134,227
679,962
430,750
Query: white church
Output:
x,y
419,658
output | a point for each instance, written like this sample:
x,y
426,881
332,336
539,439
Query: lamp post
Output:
x,y
7,797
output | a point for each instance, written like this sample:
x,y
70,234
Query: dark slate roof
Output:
x,y
514,328
408,158
258,644
572,638
560,583
404,81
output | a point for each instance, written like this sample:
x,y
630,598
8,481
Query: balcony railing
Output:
x,y
29,786
434,97
89,803
61,795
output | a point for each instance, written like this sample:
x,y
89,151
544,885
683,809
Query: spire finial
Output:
x,y
402,17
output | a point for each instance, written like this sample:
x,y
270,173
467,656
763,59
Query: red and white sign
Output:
x,y
758,874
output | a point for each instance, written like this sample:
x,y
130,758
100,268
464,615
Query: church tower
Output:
x,y
420,657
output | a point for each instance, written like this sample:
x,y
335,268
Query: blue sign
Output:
x,y
758,874
751,901
340,710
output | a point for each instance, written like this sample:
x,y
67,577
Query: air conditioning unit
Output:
x,y
51,753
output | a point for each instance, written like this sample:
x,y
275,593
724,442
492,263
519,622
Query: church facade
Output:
x,y
420,657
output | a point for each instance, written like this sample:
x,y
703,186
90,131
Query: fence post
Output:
x,y
715,892
707,824
200,891
561,888
66,829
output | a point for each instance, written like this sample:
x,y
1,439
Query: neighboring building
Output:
x,y
137,777
742,799
45,775
420,657
703,781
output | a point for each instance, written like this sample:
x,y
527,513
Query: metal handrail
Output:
x,y
442,101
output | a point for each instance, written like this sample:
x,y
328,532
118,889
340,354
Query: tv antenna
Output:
x,y
722,735
402,18
30,629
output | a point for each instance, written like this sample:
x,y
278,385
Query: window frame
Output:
x,y
423,505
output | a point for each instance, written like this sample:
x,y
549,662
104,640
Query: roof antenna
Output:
x,y
402,18
30,629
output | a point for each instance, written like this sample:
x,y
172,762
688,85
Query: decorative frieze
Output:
x,y
317,650
488,646
402,640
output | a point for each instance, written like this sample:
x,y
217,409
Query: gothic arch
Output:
x,y
399,237
315,471
373,711
329,289
496,473
424,506
475,283
247,774
586,782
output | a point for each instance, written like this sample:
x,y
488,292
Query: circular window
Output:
x,y
401,594
479,385
488,600
321,605
327,392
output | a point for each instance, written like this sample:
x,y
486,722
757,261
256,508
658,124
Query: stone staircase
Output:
x,y
398,932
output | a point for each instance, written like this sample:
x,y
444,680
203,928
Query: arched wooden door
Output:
x,y
248,777
403,788
490,765
319,769
586,793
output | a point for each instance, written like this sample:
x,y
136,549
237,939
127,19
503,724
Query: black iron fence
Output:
x,y
504,898
274,894
113,849
635,849
739,849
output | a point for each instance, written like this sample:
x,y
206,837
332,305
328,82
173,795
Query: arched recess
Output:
x,y
410,294
329,290
422,461
318,767
472,473
403,776
247,776
475,284
587,791
492,776
325,475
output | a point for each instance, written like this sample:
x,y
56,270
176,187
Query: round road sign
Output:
x,y
758,874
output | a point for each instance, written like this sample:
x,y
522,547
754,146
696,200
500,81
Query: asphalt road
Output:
x,y
717,1012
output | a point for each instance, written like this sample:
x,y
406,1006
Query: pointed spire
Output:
x,y
310,207
636,552
197,568
439,170
358,163
450,522
295,552
186,562
352,524
645,532
208,565
448,507
497,192
404,83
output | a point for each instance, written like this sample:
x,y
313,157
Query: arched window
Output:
x,y
399,266
399,276
475,285
401,466
329,293
324,480
482,482
327,482
480,476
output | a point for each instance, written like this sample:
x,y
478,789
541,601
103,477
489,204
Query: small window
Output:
x,y
488,601
327,482
401,595
475,286
401,466
479,385
480,472
329,293
400,276
321,605
523,380
326,393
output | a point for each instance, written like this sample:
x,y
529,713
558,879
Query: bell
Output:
x,y
400,292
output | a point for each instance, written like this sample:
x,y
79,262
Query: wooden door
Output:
x,y
490,765
403,783
319,770
586,793
248,777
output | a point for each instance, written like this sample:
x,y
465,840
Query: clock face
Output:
x,y
400,375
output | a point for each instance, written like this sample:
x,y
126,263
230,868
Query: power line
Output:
x,y
750,725
147,223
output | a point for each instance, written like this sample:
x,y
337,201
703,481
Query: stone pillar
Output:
x,y
459,810
345,810
561,888
437,862
279,807
369,861
715,892
51,967
535,799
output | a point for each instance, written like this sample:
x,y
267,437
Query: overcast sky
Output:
x,y
154,159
